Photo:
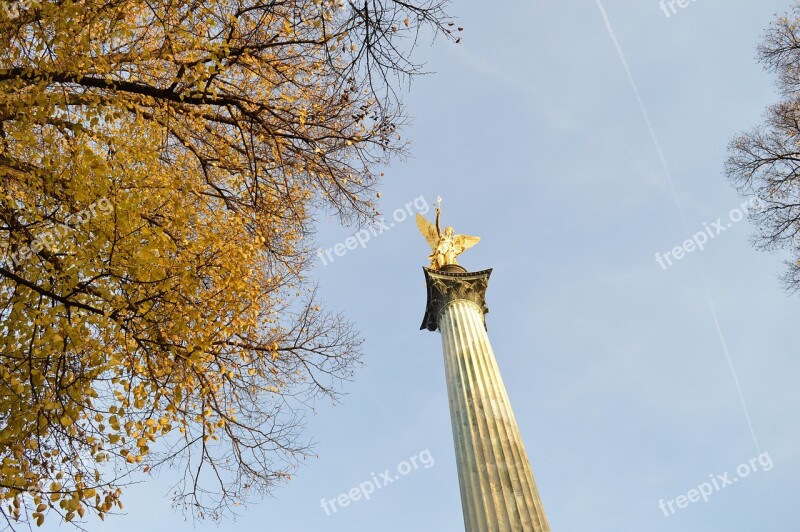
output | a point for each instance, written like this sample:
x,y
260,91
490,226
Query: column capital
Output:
x,y
447,286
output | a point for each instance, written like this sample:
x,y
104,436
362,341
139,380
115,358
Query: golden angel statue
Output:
x,y
445,246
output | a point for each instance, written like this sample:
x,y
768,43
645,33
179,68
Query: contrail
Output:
x,y
679,204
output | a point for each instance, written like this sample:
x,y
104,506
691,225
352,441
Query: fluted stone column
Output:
x,y
498,492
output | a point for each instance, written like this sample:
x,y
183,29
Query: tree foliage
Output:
x,y
160,166
764,162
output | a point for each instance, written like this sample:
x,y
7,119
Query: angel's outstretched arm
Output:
x,y
438,229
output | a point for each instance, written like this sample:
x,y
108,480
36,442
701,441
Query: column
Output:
x,y
498,492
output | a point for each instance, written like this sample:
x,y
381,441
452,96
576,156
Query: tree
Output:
x,y
764,163
160,167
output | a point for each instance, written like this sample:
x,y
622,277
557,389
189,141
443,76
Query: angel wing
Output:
x,y
464,242
429,231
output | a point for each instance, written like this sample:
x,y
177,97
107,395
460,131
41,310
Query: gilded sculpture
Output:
x,y
445,246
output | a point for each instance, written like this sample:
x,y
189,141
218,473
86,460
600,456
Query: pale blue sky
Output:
x,y
531,133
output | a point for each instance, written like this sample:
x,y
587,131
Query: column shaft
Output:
x,y
498,492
